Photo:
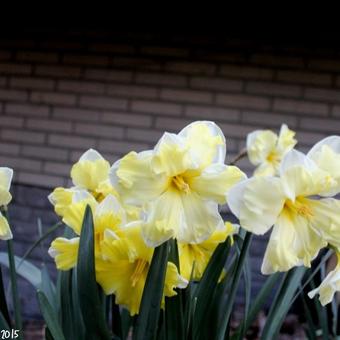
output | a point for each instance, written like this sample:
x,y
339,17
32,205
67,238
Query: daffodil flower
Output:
x,y
196,256
303,223
108,216
123,268
266,149
6,175
329,286
326,154
179,184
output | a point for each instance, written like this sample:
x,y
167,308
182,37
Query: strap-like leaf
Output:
x,y
147,322
3,302
50,317
89,301
282,302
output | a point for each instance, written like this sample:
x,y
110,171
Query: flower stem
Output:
x,y
14,284
239,156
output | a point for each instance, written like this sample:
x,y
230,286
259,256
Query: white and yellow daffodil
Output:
x,y
124,267
108,216
197,255
326,154
303,224
179,183
6,175
329,286
266,149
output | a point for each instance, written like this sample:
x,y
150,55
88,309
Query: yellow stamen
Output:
x,y
180,184
139,269
299,207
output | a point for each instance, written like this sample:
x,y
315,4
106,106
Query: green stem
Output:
x,y
14,284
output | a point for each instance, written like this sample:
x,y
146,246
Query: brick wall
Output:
x,y
63,93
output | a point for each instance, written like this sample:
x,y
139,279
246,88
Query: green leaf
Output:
x,y
116,319
208,283
147,321
235,278
3,323
48,287
127,322
50,317
88,293
174,317
27,270
282,302
3,302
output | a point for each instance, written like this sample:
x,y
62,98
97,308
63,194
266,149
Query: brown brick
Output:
x,y
14,95
336,110
323,94
3,81
132,91
99,130
243,101
58,71
308,78
82,143
56,168
40,179
23,136
48,125
108,75
219,84
325,64
86,60
53,98
269,119
161,79
5,55
189,96
191,68
247,72
277,60
236,130
299,106
102,102
112,48
149,136
127,118
308,138
316,124
75,114
31,56
27,109
11,121
20,163
9,148
273,89
13,68
137,63
31,83
208,55
165,51
156,107
44,152
211,113
81,87
119,147
171,124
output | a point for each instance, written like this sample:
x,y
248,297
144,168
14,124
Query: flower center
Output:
x,y
180,183
299,207
272,157
138,272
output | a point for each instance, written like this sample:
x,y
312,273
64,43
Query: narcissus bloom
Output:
x,y
266,149
124,267
200,253
303,224
179,183
6,175
108,216
329,286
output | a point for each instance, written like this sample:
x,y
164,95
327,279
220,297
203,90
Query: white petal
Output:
x,y
6,175
90,155
296,158
332,141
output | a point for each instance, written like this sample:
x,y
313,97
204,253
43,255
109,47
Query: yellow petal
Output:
x,y
215,182
286,140
171,156
5,197
65,252
5,230
90,170
292,243
257,202
206,143
61,198
173,280
136,182
6,175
